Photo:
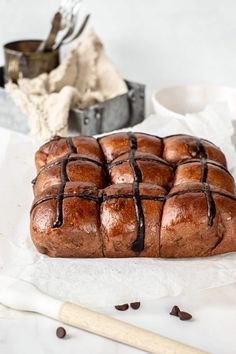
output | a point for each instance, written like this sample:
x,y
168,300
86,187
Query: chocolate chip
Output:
x,y
184,316
135,305
175,311
61,332
123,307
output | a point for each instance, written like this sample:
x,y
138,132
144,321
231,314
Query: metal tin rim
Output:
x,y
18,52
98,105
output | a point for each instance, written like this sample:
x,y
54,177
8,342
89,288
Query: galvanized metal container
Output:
x,y
119,112
22,57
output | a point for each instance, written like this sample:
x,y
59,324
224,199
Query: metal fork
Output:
x,y
71,19
75,34
69,10
65,17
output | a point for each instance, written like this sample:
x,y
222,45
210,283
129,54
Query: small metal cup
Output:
x,y
21,57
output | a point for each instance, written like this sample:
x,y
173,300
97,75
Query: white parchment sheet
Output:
x,y
104,282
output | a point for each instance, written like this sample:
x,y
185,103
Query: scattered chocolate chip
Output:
x,y
61,332
175,311
135,305
123,307
184,316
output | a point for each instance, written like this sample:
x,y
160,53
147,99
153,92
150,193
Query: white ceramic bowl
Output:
x,y
180,100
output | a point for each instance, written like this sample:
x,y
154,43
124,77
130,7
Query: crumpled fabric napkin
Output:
x,y
85,77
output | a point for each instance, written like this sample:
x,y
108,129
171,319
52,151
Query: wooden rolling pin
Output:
x,y
22,295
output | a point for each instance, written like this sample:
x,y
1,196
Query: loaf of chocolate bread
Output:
x,y
133,194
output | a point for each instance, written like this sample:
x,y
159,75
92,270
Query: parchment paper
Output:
x,y
98,283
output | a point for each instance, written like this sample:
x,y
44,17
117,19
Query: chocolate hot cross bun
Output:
x,y
133,194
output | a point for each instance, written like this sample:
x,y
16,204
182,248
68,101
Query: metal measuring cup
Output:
x,y
22,58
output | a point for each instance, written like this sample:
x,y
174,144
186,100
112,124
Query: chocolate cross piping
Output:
x,y
138,244
64,178
211,207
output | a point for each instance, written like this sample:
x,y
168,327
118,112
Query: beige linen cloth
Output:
x,y
85,77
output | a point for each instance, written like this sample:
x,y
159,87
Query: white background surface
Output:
x,y
214,311
212,327
160,43
157,42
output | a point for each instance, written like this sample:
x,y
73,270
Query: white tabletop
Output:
x,y
212,327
